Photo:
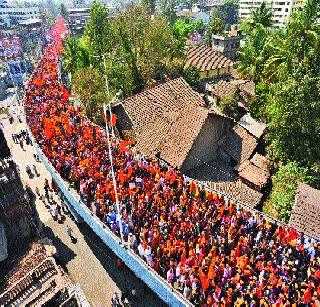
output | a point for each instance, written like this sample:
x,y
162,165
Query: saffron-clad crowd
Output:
x,y
215,252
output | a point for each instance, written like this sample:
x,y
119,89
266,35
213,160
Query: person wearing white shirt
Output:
x,y
141,250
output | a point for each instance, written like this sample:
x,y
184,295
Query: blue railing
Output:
x,y
154,281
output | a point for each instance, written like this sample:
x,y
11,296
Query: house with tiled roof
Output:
x,y
305,215
237,191
239,147
172,121
255,172
210,63
238,144
257,129
225,89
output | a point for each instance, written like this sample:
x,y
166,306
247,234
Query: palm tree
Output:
x,y
252,56
298,49
262,15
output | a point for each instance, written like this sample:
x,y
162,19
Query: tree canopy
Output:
x,y
284,63
136,47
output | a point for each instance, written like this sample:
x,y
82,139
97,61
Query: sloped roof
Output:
x,y
246,86
254,127
238,191
167,119
238,143
228,89
254,174
205,59
305,215
224,89
261,162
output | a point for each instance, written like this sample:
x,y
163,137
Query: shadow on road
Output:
x,y
125,279
64,253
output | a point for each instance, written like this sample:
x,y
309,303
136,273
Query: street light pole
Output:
x,y
113,176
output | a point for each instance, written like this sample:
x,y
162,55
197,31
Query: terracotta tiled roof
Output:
x,y
305,214
254,127
227,89
224,89
167,119
238,191
215,171
238,143
254,174
261,162
246,86
205,59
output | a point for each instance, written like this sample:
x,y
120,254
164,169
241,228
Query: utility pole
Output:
x,y
113,176
110,151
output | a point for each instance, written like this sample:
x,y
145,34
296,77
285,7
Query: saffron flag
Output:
x,y
113,120
49,128
204,280
124,146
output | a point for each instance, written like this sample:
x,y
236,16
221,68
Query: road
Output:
x,y
88,261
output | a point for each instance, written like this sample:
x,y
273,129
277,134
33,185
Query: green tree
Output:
x,y
227,12
75,55
192,76
145,44
167,9
252,57
181,31
98,30
293,95
215,27
284,189
137,48
199,26
229,105
89,85
262,15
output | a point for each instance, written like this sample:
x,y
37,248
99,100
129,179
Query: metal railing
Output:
x,y
154,281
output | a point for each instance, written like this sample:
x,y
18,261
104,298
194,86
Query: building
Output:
x,y
281,9
305,215
195,15
223,89
211,64
238,145
255,172
211,4
172,122
14,14
35,279
237,191
228,45
77,18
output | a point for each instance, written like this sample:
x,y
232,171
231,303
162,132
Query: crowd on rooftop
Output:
x,y
214,251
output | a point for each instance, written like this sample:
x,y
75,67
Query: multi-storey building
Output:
x,y
281,9
9,13
77,18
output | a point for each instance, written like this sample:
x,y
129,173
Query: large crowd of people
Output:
x,y
214,251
